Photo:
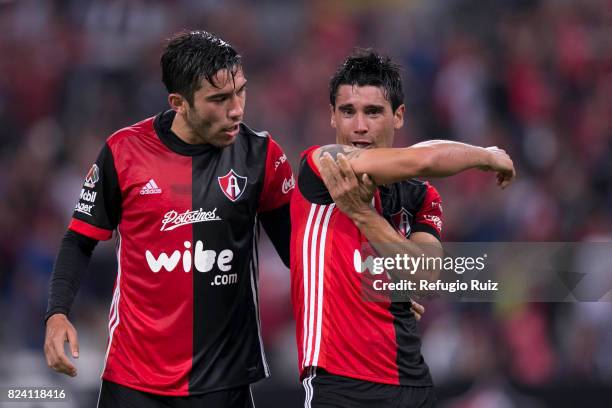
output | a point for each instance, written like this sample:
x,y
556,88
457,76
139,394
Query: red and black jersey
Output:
x,y
336,328
184,317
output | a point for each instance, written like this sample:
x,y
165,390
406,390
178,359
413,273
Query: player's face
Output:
x,y
217,111
363,117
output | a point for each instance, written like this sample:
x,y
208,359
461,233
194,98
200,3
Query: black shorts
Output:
x,y
113,395
325,390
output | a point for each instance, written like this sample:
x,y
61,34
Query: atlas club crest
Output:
x,y
401,222
232,185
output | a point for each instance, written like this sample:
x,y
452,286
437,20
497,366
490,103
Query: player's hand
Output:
x,y
351,196
417,309
500,162
60,330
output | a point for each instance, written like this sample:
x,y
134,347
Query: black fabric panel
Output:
x,y
411,365
71,263
106,210
225,335
405,194
330,390
277,224
115,395
311,186
418,227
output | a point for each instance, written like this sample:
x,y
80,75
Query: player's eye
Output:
x,y
373,111
347,111
218,98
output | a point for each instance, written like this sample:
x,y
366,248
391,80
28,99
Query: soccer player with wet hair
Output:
x,y
354,352
185,192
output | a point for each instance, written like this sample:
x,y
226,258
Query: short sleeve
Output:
x,y
310,182
429,217
98,210
278,179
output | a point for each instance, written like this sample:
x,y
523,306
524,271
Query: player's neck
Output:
x,y
182,130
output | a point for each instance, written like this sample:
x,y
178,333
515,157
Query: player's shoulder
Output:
x,y
249,132
254,140
415,185
144,127
309,152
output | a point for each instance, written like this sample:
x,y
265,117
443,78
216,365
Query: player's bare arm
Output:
x,y
439,158
353,198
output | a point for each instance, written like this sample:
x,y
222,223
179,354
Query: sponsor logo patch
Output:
x,y
202,259
92,177
435,220
87,195
174,219
280,161
84,208
288,184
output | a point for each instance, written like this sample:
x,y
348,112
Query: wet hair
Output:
x,y
191,56
366,67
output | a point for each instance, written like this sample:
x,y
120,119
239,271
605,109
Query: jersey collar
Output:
x,y
162,125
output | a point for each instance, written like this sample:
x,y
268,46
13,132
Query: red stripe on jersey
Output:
x,y
313,258
89,230
150,323
336,328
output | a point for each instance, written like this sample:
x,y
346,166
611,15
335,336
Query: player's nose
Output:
x,y
361,124
236,110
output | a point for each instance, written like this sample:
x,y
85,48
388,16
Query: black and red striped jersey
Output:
x,y
184,317
336,328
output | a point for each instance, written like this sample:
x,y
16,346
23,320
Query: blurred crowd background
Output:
x,y
533,77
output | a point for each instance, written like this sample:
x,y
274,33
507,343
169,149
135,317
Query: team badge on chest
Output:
x,y
232,185
401,222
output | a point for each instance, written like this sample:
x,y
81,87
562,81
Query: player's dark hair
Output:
x,y
366,67
192,55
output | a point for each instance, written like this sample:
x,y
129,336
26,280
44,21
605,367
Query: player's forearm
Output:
x,y
439,158
443,158
388,243
72,261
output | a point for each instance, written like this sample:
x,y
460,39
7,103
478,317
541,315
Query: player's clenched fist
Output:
x,y
59,331
501,163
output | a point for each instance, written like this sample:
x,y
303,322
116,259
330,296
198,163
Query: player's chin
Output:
x,y
224,140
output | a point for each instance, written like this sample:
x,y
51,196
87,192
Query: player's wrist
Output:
x,y
362,216
56,316
484,158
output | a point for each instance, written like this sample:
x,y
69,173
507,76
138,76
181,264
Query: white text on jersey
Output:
x,y
176,219
203,260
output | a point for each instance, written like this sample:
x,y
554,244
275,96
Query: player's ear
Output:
x,y
398,117
333,118
177,103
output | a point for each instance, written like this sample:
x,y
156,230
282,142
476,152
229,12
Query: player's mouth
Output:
x,y
232,130
361,144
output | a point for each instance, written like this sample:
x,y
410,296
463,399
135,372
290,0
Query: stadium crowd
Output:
x,y
533,77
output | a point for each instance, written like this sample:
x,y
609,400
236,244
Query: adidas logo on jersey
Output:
x,y
151,188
